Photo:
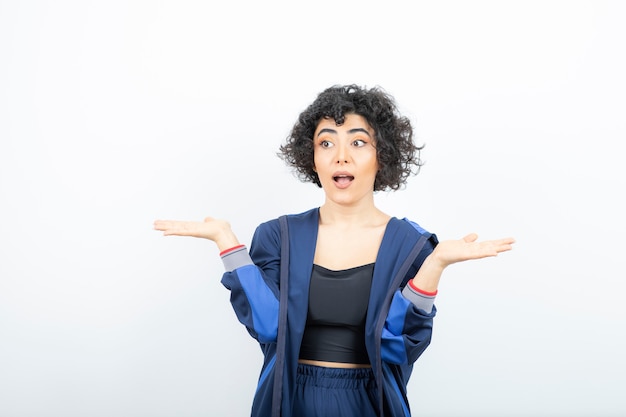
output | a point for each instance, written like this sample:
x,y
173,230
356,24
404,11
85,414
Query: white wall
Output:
x,y
113,114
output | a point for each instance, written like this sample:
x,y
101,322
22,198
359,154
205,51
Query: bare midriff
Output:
x,y
334,364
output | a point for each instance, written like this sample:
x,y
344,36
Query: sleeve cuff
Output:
x,y
423,300
235,257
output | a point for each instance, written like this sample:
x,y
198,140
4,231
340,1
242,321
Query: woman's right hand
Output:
x,y
219,231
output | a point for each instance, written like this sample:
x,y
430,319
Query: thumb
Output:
x,y
470,238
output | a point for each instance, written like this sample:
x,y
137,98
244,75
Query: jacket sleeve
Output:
x,y
407,331
253,280
408,327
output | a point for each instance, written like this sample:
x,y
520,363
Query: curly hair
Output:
x,y
398,157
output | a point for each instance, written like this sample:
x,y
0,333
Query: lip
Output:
x,y
345,183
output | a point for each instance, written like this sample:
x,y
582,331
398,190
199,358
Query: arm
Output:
x,y
253,280
408,327
407,331
452,251
218,231
253,284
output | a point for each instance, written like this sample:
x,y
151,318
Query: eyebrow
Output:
x,y
351,131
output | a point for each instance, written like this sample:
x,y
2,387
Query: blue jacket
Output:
x,y
398,323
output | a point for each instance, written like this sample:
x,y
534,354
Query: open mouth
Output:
x,y
343,180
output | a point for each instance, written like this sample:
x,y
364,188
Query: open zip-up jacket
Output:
x,y
399,319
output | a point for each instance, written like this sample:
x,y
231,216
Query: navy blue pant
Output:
x,y
333,392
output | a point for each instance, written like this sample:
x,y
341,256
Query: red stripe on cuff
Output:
x,y
224,252
427,293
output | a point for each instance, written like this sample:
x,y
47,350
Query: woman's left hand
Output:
x,y
451,251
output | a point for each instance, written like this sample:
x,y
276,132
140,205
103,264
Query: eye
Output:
x,y
359,143
326,144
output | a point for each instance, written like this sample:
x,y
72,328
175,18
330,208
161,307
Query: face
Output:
x,y
345,159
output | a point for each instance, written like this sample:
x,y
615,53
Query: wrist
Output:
x,y
232,249
422,291
226,239
428,276
434,262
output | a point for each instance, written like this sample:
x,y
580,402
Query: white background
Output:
x,y
116,113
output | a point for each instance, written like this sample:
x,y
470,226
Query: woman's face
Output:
x,y
345,159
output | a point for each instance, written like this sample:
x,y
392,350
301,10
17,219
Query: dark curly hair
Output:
x,y
398,157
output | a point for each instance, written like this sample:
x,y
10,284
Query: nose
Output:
x,y
342,154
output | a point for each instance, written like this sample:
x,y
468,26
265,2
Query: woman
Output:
x,y
357,309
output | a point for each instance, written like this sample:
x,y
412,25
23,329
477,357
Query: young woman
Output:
x,y
357,309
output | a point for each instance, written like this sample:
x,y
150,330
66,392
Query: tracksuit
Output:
x,y
398,323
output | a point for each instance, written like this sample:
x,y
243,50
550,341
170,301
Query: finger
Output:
x,y
504,248
173,232
172,227
505,244
180,228
176,232
165,224
496,247
160,224
505,241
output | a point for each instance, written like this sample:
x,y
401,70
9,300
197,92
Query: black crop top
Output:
x,y
335,327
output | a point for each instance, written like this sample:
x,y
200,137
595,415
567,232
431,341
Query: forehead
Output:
x,y
351,121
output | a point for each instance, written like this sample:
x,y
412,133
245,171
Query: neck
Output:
x,y
365,213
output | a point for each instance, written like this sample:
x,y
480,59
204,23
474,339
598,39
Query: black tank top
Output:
x,y
335,327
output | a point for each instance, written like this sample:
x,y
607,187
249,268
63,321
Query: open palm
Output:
x,y
451,251
217,230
